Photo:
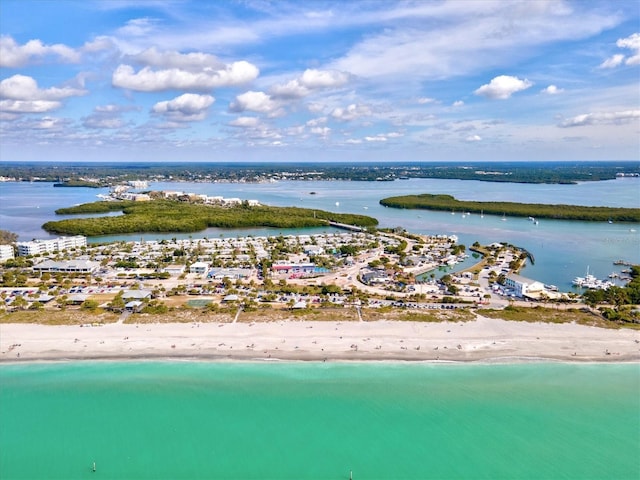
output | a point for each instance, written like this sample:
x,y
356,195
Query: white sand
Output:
x,y
482,340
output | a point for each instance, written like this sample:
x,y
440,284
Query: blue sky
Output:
x,y
259,80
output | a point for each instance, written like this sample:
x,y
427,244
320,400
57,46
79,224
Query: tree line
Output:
x,y
443,202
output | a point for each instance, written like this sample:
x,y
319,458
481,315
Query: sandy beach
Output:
x,y
482,340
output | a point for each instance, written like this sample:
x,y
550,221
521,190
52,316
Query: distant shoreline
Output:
x,y
563,172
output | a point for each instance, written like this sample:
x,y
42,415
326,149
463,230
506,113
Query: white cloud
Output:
x,y
103,122
321,131
458,103
312,78
351,112
473,138
245,122
148,80
21,94
98,44
289,90
314,122
613,61
602,118
107,116
426,100
395,134
188,107
377,138
255,102
439,40
193,62
50,123
632,42
138,27
28,106
552,90
316,107
310,81
13,55
502,87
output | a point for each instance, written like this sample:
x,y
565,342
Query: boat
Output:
x,y
590,281
504,217
622,262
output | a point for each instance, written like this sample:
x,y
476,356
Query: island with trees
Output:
x,y
441,202
185,217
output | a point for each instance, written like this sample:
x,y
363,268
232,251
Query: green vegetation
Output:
x,y
78,183
618,301
560,212
548,315
173,216
59,317
7,237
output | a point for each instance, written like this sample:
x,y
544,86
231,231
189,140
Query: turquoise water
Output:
x,y
319,421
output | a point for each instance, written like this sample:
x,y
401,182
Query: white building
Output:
x,y
199,268
523,286
36,247
174,269
6,253
67,266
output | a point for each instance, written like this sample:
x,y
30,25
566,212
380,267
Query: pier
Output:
x,y
345,226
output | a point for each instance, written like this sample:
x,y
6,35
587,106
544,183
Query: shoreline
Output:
x,y
483,340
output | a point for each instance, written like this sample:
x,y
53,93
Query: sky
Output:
x,y
301,81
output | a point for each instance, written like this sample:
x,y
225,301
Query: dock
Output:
x,y
346,226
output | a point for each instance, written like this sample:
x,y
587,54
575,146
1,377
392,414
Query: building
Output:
x,y
136,295
67,266
312,250
233,273
374,277
38,247
522,286
174,269
294,268
6,253
199,268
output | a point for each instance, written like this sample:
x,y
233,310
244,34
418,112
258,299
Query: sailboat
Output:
x,y
504,217
481,213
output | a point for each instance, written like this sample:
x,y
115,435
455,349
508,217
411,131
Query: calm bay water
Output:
x,y
563,250
319,421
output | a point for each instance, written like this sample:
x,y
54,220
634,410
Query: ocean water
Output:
x,y
198,420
